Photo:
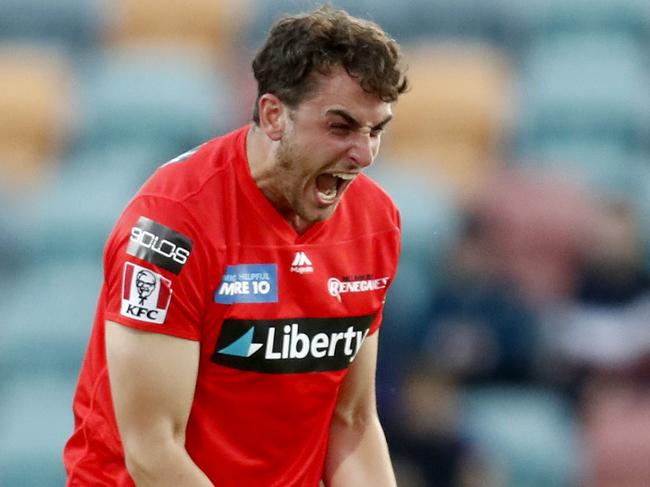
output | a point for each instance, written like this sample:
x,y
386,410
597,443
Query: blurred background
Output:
x,y
516,344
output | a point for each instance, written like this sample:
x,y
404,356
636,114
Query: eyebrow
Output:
x,y
354,122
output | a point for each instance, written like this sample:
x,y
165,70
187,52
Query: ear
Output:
x,y
273,115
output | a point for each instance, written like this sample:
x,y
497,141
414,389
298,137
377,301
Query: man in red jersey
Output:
x,y
235,338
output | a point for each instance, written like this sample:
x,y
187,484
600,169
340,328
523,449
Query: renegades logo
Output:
x,y
145,294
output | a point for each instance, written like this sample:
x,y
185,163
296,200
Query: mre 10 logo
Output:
x,y
248,283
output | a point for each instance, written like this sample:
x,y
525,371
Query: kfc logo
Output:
x,y
145,282
145,294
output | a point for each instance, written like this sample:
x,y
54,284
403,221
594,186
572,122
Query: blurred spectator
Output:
x,y
520,252
427,445
533,224
616,426
613,270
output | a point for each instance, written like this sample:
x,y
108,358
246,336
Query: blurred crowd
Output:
x,y
515,349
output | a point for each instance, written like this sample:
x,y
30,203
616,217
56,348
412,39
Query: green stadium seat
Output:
x,y
155,95
527,433
75,25
35,422
569,90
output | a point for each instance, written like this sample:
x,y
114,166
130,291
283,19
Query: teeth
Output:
x,y
344,176
330,194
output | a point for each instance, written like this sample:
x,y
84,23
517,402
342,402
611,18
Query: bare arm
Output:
x,y
357,452
152,378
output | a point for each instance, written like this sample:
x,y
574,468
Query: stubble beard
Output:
x,y
290,162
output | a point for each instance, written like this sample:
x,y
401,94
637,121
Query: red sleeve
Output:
x,y
376,322
154,269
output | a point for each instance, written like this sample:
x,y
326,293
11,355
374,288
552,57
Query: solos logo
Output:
x,y
159,245
291,345
145,294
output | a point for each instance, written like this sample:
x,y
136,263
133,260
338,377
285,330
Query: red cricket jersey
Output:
x,y
201,254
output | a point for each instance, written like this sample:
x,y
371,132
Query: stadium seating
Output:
x,y
527,434
548,19
74,25
77,207
599,165
35,93
167,97
47,330
264,13
461,20
413,21
569,89
454,122
585,112
211,26
35,422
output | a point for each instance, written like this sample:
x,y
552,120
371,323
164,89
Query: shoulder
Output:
x,y
368,186
175,208
367,201
189,174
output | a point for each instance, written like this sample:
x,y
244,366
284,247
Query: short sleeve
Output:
x,y
155,265
377,321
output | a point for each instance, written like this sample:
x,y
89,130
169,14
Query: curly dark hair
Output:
x,y
321,40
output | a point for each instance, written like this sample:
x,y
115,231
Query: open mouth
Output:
x,y
330,185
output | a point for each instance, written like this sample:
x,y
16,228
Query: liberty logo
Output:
x,y
291,345
243,346
145,294
301,263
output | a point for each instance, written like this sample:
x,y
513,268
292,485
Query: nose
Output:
x,y
363,150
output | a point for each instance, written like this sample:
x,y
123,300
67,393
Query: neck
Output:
x,y
259,150
297,223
